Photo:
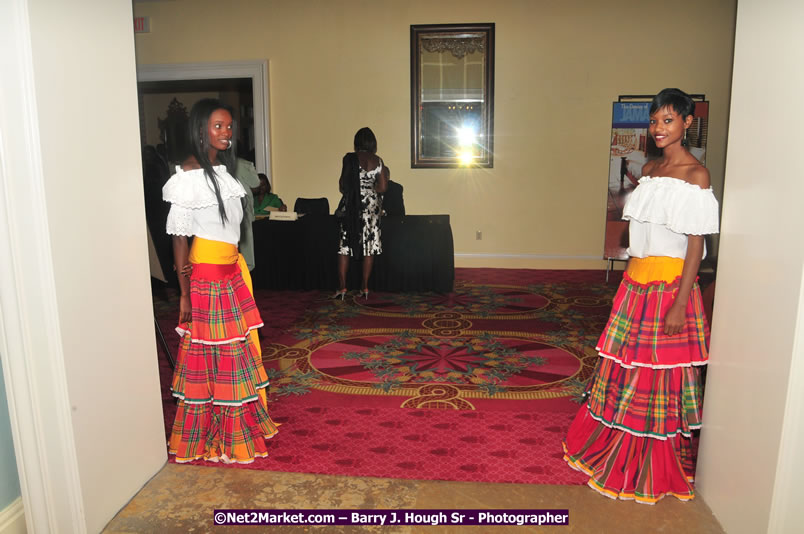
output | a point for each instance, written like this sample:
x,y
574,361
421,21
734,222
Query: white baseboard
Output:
x,y
528,261
525,256
12,518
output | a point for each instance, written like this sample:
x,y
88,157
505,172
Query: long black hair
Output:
x,y
198,125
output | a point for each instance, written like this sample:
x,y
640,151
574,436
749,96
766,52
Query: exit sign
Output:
x,y
142,25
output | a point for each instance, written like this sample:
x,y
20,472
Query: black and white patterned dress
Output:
x,y
370,210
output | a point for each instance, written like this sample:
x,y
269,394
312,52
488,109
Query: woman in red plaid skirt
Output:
x,y
633,436
219,378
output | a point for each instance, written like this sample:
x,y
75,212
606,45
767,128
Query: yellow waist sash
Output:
x,y
654,268
214,252
220,253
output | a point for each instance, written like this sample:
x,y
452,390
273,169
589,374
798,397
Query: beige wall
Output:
x,y
338,65
86,101
752,437
750,464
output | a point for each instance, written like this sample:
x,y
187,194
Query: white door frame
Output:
x,y
256,70
31,351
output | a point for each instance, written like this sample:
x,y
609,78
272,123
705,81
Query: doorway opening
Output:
x,y
166,93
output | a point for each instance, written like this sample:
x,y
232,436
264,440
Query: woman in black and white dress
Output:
x,y
363,178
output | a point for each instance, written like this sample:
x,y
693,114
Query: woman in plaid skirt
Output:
x,y
219,378
633,436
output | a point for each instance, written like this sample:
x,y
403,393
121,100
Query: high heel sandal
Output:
x,y
339,294
364,293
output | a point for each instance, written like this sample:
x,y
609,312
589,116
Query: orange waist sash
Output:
x,y
654,268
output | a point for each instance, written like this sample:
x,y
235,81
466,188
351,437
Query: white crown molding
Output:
x,y
30,339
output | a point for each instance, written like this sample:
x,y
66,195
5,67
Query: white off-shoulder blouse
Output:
x,y
194,206
663,211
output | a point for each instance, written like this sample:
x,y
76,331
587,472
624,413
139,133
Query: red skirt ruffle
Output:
x,y
221,433
219,376
658,403
634,435
623,466
223,309
634,334
228,374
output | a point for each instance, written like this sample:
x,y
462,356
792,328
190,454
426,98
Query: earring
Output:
x,y
684,141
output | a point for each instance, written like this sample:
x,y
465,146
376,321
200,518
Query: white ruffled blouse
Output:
x,y
194,206
663,211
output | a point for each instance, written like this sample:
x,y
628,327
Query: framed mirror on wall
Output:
x,y
452,95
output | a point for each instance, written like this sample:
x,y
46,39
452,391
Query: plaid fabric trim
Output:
x,y
658,403
223,310
223,374
633,438
231,434
219,375
634,335
623,466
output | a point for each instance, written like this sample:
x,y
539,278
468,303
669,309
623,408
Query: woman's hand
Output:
x,y
187,270
676,317
185,309
674,320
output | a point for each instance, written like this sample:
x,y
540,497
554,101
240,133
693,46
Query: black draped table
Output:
x,y
418,254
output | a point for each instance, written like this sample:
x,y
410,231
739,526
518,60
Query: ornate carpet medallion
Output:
x,y
497,342
477,385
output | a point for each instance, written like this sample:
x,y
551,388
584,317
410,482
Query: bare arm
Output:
x,y
676,315
181,253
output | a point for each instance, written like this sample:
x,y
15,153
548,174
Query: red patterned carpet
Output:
x,y
477,385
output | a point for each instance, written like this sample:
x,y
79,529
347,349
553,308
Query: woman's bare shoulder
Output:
x,y
699,175
368,161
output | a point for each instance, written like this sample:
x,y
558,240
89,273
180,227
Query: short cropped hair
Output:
x,y
676,99
365,140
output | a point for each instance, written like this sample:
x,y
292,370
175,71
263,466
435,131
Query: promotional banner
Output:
x,y
631,148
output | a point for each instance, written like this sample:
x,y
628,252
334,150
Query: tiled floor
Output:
x,y
181,498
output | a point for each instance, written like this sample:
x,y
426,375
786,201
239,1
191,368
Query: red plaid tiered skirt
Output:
x,y
634,435
219,378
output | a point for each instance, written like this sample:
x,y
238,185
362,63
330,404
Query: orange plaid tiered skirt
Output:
x,y
219,378
633,437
